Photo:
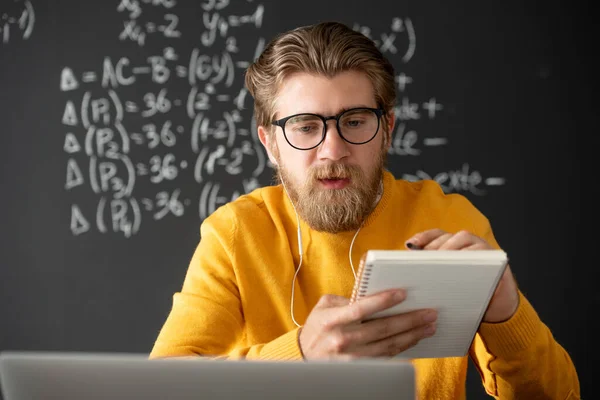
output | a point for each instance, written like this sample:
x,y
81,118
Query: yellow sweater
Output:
x,y
235,300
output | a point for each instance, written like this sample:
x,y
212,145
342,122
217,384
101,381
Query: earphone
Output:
x,y
300,251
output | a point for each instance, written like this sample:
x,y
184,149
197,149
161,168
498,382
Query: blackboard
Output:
x,y
125,123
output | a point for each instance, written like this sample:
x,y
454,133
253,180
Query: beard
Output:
x,y
334,210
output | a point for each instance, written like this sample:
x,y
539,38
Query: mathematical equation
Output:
x,y
172,134
406,141
17,21
124,214
190,125
215,24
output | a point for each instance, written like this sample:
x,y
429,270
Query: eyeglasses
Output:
x,y
306,131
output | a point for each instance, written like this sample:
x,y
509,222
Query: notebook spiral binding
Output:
x,y
362,279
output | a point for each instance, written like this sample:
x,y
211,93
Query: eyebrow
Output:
x,y
343,109
339,111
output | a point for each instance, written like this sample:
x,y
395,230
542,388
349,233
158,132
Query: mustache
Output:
x,y
334,171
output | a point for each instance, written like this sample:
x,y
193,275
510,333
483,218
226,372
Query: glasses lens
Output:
x,y
304,131
359,125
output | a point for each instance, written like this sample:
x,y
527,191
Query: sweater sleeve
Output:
x,y
206,317
520,359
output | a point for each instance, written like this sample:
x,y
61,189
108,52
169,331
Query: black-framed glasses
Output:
x,y
306,131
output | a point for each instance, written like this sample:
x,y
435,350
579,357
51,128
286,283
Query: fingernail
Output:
x,y
412,246
400,295
429,316
429,330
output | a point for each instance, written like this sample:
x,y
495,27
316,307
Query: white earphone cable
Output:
x,y
350,251
300,253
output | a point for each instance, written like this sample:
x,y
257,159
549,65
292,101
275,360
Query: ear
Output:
x,y
391,122
268,143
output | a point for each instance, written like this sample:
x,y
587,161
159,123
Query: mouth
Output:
x,y
334,183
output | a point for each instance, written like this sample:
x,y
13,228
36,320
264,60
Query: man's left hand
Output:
x,y
505,301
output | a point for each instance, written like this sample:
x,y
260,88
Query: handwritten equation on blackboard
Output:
x,y
17,21
155,138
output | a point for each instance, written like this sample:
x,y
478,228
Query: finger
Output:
x,y
394,345
422,239
437,243
366,306
381,328
483,245
461,240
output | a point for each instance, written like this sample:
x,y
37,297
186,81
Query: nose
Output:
x,y
333,148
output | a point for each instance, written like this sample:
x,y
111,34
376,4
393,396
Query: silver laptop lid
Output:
x,y
91,376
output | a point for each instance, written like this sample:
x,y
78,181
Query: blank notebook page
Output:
x,y
459,289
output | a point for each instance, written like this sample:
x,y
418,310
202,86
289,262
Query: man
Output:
x,y
272,274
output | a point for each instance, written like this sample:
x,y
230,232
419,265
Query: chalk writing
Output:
x,y
17,22
133,148
399,44
168,131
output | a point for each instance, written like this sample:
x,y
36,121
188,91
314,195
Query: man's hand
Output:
x,y
505,301
336,329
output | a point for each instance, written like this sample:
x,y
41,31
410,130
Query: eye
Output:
x,y
354,123
304,124
306,128
358,119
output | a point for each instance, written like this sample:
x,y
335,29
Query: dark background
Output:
x,y
515,82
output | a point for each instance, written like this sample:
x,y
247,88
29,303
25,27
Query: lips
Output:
x,y
332,177
334,183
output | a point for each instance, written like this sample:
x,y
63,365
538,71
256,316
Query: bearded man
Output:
x,y
273,272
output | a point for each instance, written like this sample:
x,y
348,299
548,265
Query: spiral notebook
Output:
x,y
458,284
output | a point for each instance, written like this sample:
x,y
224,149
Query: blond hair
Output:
x,y
326,48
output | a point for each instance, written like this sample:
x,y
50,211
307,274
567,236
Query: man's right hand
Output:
x,y
336,329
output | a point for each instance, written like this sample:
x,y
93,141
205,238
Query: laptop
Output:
x,y
115,376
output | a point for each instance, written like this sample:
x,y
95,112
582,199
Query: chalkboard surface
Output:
x,y
125,123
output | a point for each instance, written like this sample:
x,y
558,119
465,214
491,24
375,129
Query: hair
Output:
x,y
327,48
